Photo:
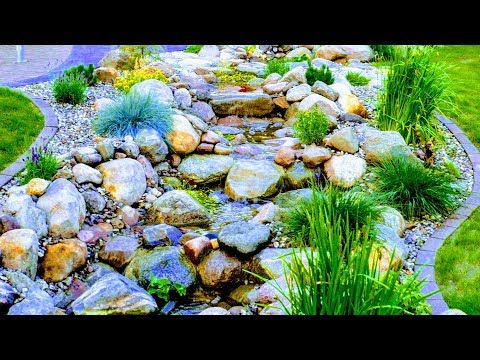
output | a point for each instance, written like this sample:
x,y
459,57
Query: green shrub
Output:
x,y
451,168
311,126
81,71
278,66
412,189
131,113
357,79
194,49
137,55
354,207
69,89
164,289
323,74
40,164
383,52
415,89
303,57
232,76
131,77
338,273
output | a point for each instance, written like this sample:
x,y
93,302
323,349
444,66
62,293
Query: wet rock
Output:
x,y
19,249
236,103
119,250
345,170
269,262
203,169
124,179
298,175
162,234
214,311
244,237
219,270
63,258
83,174
197,248
286,199
243,294
114,294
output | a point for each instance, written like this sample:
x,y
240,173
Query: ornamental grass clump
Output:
x,y
323,74
311,126
69,89
357,79
40,164
337,272
415,89
383,52
277,66
130,114
405,184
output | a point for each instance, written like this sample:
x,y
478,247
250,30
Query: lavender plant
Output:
x,y
40,164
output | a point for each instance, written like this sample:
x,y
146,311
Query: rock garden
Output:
x,y
234,180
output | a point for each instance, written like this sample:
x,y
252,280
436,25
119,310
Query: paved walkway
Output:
x,y
45,62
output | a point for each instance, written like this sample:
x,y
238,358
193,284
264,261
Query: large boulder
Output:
x,y
330,52
124,179
313,156
379,145
183,138
162,262
178,208
31,217
238,103
83,174
351,104
116,59
344,140
63,258
151,145
394,219
298,52
297,74
244,237
114,294
250,179
209,51
156,89
219,270
19,251
334,52
17,201
322,103
106,75
119,250
392,244
65,208
298,175
345,170
298,92
202,169
323,89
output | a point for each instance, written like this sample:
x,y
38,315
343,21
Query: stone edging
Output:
x,y
426,255
50,128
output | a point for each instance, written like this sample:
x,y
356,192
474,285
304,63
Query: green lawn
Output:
x,y
457,267
20,123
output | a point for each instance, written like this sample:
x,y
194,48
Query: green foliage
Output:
x,y
353,206
201,196
323,74
131,113
137,55
357,79
311,126
232,76
405,184
86,72
277,66
250,49
40,164
383,52
164,289
416,88
131,77
303,57
69,89
451,168
194,49
20,123
338,272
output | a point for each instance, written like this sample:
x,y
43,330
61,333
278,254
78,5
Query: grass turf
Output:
x,y
457,266
20,123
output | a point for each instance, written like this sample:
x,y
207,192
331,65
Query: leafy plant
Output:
x,y
232,76
412,189
194,49
86,72
311,126
40,164
338,273
416,88
164,289
137,55
69,89
131,113
357,79
130,78
451,168
300,58
384,52
323,74
278,66
353,206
